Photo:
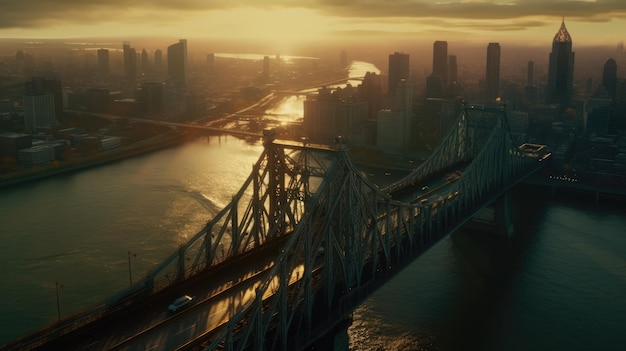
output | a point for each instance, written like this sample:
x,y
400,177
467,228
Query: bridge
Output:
x,y
305,240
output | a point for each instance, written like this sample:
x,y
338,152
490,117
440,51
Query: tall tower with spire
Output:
x,y
561,69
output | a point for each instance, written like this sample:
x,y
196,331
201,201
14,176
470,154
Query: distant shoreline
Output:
x,y
142,147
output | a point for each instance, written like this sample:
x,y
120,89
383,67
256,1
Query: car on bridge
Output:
x,y
180,303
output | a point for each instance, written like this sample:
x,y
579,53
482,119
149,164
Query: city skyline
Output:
x,y
285,24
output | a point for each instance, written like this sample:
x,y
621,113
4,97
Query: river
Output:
x,y
558,283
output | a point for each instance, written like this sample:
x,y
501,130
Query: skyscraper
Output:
x,y
440,60
530,78
144,61
130,61
531,89
398,70
103,61
158,59
492,76
561,69
177,62
609,77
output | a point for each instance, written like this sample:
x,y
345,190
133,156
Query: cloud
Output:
x,y
470,9
41,13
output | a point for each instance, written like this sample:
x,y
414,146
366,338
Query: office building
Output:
x,y
609,78
151,96
103,62
561,69
39,111
440,60
394,125
158,59
330,114
398,70
145,64
177,62
130,61
492,76
531,91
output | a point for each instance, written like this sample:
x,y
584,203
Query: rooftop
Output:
x,y
562,36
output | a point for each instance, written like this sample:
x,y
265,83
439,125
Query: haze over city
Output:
x,y
349,175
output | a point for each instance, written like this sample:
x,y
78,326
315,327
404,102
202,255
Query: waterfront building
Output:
x,y
39,111
35,155
398,70
561,69
492,75
177,62
11,143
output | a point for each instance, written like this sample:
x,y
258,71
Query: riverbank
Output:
x,y
35,173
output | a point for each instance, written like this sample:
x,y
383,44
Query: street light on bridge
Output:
x,y
130,272
56,285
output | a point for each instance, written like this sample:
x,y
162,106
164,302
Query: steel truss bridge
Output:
x,y
339,236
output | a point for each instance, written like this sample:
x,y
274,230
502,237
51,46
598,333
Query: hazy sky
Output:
x,y
291,21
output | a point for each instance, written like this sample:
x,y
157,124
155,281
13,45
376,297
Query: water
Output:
x,y
77,230
558,284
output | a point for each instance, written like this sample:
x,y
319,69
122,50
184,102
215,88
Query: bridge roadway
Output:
x,y
148,325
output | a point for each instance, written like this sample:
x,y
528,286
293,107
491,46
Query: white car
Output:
x,y
180,303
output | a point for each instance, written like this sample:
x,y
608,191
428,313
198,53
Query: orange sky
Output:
x,y
286,22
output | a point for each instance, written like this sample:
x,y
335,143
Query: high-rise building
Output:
x,y
103,61
144,61
492,76
177,62
440,60
398,70
609,78
561,69
39,111
130,61
598,115
394,125
266,66
531,90
151,98
330,114
158,59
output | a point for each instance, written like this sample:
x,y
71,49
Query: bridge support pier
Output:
x,y
494,218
